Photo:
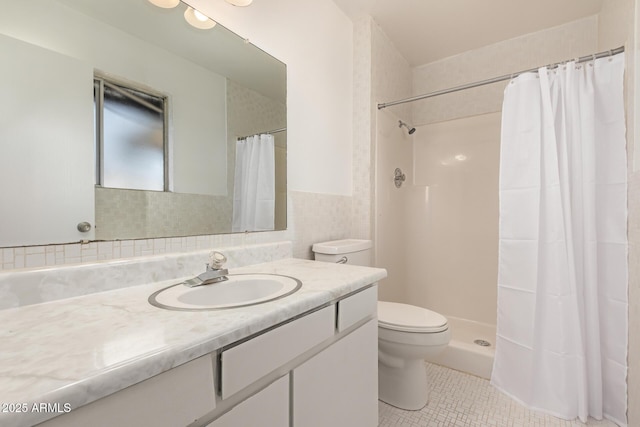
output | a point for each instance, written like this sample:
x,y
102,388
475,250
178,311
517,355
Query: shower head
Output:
x,y
409,128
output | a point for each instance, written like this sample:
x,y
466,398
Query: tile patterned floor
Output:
x,y
459,399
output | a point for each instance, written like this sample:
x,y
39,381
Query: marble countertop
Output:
x,y
78,350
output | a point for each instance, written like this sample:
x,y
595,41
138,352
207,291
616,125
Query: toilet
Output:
x,y
406,334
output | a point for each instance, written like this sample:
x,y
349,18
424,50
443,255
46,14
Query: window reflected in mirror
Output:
x,y
130,137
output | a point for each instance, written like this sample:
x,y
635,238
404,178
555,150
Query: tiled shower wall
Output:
x,y
311,218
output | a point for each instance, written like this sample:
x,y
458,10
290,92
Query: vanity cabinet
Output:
x,y
319,369
331,357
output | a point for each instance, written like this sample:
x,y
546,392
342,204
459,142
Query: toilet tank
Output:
x,y
347,251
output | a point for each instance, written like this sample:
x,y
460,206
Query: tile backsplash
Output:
x,y
76,253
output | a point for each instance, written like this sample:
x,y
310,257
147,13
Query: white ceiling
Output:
x,y
427,30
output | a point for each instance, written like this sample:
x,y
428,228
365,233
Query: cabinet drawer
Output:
x,y
251,360
357,307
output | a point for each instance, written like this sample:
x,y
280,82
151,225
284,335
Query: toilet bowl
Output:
x,y
406,334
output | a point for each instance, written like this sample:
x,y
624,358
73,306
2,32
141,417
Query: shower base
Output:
x,y
463,354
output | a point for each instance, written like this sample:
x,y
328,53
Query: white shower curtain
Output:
x,y
254,184
562,280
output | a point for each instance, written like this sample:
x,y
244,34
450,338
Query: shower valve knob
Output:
x,y
399,177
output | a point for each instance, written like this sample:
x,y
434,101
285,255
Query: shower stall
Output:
x,y
517,219
437,234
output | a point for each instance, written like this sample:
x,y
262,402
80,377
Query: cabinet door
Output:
x,y
267,408
339,386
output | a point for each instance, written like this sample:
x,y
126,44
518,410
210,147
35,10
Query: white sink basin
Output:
x,y
239,291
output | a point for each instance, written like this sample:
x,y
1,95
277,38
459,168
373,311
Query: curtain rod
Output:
x,y
261,133
499,79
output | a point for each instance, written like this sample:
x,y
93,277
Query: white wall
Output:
x,y
314,38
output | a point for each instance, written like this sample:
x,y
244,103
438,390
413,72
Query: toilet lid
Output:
x,y
409,318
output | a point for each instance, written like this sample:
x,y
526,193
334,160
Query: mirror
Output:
x,y
54,132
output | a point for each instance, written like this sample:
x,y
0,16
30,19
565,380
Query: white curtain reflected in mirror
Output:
x,y
254,184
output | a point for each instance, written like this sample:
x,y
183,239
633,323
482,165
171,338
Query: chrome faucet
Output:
x,y
214,272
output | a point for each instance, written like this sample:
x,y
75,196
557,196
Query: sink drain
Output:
x,y
482,343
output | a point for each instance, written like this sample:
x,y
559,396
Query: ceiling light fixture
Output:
x,y
241,3
165,4
198,19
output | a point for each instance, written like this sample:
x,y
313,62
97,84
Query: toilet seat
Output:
x,y
409,318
